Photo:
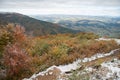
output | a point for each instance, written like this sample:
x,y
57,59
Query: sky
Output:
x,y
66,7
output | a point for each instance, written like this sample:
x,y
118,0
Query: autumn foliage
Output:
x,y
22,55
16,61
14,52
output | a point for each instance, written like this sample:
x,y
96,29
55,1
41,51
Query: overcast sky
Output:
x,y
71,7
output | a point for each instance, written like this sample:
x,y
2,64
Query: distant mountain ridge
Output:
x,y
101,25
37,27
102,28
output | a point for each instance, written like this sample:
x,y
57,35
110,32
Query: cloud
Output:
x,y
62,6
36,3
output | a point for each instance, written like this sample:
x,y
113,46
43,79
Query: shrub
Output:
x,y
6,37
40,47
87,36
16,61
58,51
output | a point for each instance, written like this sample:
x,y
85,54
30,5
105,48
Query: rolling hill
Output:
x,y
110,29
34,26
101,25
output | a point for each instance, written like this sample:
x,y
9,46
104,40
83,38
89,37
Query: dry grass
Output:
x,y
99,61
49,50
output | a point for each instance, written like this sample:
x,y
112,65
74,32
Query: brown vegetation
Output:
x,y
16,61
25,55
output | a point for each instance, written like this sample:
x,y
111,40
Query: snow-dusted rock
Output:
x,y
49,74
113,67
76,64
69,67
107,71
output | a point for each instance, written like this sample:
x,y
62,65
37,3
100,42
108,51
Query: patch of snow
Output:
x,y
99,55
85,60
105,39
117,40
113,66
107,71
109,39
74,65
89,69
50,73
69,67
40,73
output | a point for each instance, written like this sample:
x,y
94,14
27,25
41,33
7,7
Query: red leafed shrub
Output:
x,y
17,61
19,33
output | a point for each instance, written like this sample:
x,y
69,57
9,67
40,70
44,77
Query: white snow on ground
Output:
x,y
110,69
41,73
114,67
108,39
69,67
98,55
117,40
74,65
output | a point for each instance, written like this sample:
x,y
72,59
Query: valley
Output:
x,y
101,25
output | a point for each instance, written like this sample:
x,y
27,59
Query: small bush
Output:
x,y
40,48
16,61
6,37
79,76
